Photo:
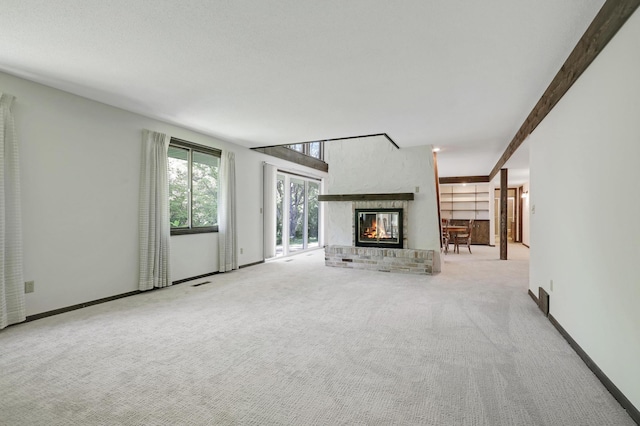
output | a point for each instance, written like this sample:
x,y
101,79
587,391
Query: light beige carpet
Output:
x,y
293,342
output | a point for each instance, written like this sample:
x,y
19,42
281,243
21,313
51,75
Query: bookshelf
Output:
x,y
459,203
464,202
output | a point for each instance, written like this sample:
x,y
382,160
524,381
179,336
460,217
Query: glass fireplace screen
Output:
x,y
379,228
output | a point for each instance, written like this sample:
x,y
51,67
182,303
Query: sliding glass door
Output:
x,y
297,214
313,216
279,215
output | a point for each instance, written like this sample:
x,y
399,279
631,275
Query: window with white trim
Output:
x,y
312,149
193,187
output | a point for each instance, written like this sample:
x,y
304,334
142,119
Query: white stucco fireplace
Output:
x,y
378,240
372,176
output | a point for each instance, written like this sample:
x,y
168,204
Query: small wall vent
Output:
x,y
543,301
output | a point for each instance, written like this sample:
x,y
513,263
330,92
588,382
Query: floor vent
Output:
x,y
289,260
543,301
202,283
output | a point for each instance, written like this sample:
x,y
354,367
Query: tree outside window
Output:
x,y
193,189
297,213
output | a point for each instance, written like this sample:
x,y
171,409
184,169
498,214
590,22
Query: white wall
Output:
x,y
585,232
373,165
80,174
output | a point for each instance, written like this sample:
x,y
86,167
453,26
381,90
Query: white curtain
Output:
x,y
227,235
154,227
12,306
270,180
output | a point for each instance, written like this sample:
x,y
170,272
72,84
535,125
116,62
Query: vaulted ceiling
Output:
x,y
460,75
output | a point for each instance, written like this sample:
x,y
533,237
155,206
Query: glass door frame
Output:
x,y
286,201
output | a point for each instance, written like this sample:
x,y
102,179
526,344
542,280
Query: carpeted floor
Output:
x,y
292,342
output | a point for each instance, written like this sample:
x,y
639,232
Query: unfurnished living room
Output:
x,y
317,213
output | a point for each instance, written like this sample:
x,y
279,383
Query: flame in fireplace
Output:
x,y
375,231
378,228
370,232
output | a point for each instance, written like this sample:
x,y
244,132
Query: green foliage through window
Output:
x,y
193,188
297,213
279,209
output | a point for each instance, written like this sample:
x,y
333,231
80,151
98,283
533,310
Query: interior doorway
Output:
x,y
512,215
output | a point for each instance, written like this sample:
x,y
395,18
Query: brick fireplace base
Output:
x,y
407,261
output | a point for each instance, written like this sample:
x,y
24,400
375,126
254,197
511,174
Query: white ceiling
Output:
x,y
461,75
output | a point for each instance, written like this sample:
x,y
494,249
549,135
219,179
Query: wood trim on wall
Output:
x,y
611,387
251,264
197,277
464,179
366,197
79,306
118,296
610,18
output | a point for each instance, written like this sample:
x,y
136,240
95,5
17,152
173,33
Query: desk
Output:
x,y
453,232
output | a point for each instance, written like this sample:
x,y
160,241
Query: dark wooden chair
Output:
x,y
464,238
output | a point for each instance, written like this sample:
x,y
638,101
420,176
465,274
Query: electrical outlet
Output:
x,y
29,286
417,189
551,285
241,251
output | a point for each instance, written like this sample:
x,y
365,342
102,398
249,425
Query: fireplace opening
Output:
x,y
378,228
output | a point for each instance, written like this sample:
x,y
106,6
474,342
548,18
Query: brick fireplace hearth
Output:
x,y
380,258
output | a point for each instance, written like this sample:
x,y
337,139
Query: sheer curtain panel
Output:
x,y
227,236
12,306
269,209
154,227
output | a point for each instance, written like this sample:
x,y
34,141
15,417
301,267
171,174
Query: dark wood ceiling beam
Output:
x,y
465,179
605,25
294,156
408,196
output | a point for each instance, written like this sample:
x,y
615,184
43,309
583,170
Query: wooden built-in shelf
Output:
x,y
465,201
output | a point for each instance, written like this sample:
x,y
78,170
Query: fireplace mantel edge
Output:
x,y
366,197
